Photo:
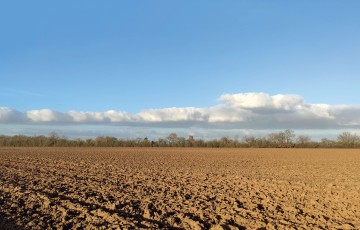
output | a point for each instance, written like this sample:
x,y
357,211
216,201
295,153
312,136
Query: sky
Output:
x,y
205,68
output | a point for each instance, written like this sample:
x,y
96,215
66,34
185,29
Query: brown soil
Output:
x,y
114,188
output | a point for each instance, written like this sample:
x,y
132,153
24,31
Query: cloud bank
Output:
x,y
234,111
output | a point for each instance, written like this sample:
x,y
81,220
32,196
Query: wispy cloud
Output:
x,y
234,111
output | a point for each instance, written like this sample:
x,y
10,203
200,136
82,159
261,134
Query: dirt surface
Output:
x,y
114,188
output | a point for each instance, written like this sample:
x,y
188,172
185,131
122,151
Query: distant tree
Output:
x,y
52,139
283,139
249,141
289,136
326,143
172,138
303,141
225,142
180,142
254,142
162,142
348,140
212,144
199,143
276,139
90,142
100,141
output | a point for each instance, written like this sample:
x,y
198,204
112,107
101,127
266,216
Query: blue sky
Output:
x,y
134,57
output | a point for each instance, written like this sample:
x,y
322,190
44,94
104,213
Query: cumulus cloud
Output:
x,y
263,101
47,115
237,111
346,115
173,115
86,117
8,115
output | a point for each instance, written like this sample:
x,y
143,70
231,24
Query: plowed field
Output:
x,y
179,188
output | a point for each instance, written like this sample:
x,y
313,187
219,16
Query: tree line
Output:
x,y
282,139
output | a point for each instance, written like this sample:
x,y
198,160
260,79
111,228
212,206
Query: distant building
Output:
x,y
191,138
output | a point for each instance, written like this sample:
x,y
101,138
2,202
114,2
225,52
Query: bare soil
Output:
x,y
179,188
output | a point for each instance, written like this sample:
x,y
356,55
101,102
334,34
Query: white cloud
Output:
x,y
84,117
8,115
118,116
346,115
225,113
321,110
247,100
47,115
235,111
262,101
173,115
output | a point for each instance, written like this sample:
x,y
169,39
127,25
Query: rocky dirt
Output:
x,y
171,188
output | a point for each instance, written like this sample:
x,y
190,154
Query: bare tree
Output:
x,y
303,141
225,142
283,139
289,136
172,138
349,140
53,139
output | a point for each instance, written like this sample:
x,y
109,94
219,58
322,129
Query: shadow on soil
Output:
x,y
6,224
138,218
